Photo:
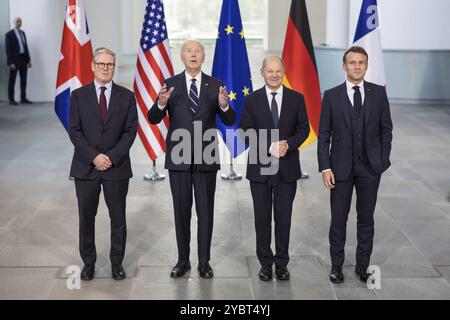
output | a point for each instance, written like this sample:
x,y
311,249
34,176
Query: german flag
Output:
x,y
300,64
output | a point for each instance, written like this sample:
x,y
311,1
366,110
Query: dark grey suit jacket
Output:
x,y
13,49
181,117
335,140
293,126
91,136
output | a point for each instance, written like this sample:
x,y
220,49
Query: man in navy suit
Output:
x,y
17,59
102,127
354,144
272,111
192,99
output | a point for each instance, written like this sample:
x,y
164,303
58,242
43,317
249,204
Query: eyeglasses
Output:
x,y
102,65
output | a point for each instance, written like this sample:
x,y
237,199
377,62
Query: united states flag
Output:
x,y
153,66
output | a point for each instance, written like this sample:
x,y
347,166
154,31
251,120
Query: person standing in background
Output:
x,y
18,60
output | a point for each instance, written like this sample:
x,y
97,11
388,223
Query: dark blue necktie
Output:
x,y
357,100
193,96
274,109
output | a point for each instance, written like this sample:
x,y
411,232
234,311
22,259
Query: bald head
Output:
x,y
17,22
191,43
272,59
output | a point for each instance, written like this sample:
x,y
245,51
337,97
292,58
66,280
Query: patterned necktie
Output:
x,y
357,100
193,96
102,104
274,109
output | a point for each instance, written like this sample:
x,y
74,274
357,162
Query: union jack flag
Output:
x,y
74,68
153,66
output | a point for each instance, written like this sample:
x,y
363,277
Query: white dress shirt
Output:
x,y
351,91
21,40
278,98
198,82
98,91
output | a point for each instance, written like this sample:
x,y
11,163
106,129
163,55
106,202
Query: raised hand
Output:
x,y
223,97
164,95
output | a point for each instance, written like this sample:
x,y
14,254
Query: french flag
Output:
x,y
74,68
367,35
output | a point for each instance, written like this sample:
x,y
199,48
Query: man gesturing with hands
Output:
x,y
192,99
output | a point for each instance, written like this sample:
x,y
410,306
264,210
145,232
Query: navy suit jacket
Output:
x,y
13,49
91,136
181,117
335,140
293,126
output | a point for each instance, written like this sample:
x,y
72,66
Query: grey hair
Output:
x,y
272,57
194,40
103,50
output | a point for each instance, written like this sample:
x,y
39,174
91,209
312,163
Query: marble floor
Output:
x,y
39,223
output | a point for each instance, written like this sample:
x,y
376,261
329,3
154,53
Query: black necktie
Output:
x,y
102,104
274,109
193,96
357,100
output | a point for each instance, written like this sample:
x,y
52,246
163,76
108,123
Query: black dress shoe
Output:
x,y
26,101
118,273
88,272
180,270
336,275
205,270
361,272
13,103
282,273
265,274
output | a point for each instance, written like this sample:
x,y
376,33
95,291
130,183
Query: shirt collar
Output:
x,y
98,85
279,91
198,77
351,85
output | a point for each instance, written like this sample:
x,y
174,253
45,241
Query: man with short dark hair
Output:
x,y
103,126
354,144
18,60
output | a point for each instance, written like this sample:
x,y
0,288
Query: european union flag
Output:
x,y
231,66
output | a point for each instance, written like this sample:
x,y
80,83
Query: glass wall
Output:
x,y
200,18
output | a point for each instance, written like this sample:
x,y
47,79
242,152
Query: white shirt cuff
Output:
x,y
160,107
326,170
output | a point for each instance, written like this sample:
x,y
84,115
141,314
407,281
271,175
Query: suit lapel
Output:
x,y
284,107
93,100
344,103
203,93
263,105
183,89
367,105
113,101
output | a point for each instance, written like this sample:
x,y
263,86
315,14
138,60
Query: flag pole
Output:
x,y
154,175
232,175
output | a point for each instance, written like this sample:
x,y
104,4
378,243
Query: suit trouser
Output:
x,y
115,192
182,185
22,68
366,183
281,195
